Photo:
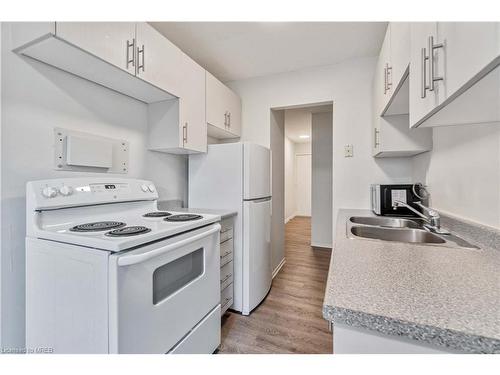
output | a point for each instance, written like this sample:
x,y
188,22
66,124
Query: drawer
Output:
x,y
226,252
226,275
226,224
227,235
226,298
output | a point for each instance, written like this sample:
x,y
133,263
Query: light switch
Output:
x,y
348,151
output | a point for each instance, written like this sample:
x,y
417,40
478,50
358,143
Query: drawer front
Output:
x,y
226,224
226,298
226,275
227,235
226,252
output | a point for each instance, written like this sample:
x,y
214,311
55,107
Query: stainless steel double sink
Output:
x,y
404,230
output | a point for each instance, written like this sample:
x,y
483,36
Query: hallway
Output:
x,y
290,318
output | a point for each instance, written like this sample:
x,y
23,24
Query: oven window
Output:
x,y
172,276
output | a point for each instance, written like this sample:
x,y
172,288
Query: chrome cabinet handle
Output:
x,y
131,60
140,52
388,72
229,120
385,80
423,81
432,47
226,300
225,120
226,278
225,254
376,138
185,133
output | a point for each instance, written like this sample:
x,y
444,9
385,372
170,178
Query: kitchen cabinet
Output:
x,y
223,109
103,53
111,41
453,66
391,134
158,60
226,264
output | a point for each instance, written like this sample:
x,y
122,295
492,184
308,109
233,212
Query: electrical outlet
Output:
x,y
348,151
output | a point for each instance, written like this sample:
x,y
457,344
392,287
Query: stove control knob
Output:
x,y
151,188
49,192
144,188
66,190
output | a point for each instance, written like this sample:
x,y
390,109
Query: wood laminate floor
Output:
x,y
290,319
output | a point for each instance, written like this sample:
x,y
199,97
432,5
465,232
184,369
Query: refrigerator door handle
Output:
x,y
265,199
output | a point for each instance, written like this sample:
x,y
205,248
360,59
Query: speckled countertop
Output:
x,y
222,213
443,296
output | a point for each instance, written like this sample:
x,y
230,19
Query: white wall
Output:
x,y
348,85
290,205
321,218
463,172
35,99
278,186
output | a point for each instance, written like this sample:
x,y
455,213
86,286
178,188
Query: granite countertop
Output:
x,y
443,296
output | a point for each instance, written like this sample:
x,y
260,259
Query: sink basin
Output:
x,y
390,222
398,235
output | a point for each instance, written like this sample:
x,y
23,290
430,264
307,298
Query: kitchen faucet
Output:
x,y
431,217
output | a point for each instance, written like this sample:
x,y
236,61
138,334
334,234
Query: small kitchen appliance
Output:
x,y
384,196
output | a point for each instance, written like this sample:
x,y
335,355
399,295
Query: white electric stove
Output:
x,y
106,272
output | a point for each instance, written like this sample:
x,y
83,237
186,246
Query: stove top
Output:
x,y
128,231
97,226
183,217
157,214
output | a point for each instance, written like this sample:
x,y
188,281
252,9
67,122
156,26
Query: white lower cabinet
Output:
x,y
226,262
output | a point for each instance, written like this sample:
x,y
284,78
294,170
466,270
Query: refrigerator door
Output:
x,y
256,171
257,272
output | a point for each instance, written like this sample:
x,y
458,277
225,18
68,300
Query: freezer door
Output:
x,y
256,171
257,272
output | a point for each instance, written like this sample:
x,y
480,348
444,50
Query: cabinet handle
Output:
x,y
376,138
225,120
226,278
229,120
185,134
385,80
140,51
423,80
388,72
131,60
432,47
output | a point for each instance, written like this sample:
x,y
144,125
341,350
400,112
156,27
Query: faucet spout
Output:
x,y
431,216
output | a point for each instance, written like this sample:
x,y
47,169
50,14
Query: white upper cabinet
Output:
x,y
111,41
385,70
454,66
223,109
158,60
192,105
400,51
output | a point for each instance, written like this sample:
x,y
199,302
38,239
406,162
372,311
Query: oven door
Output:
x,y
159,292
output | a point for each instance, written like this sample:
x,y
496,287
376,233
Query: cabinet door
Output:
x,y
216,102
234,115
158,60
400,51
192,106
422,101
468,48
385,70
110,41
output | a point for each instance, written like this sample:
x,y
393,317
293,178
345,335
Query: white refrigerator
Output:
x,y
237,176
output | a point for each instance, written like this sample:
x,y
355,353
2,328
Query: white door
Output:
x,y
158,60
110,41
256,171
192,105
257,271
159,292
303,184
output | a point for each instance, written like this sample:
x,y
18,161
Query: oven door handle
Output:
x,y
128,260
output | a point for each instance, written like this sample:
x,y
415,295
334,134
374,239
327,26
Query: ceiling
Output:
x,y
240,50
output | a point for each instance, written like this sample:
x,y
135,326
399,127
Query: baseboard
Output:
x,y
318,244
279,267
